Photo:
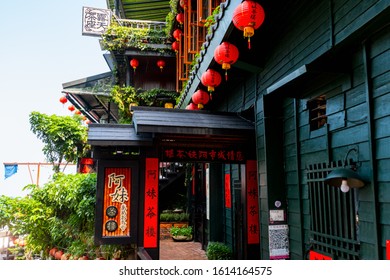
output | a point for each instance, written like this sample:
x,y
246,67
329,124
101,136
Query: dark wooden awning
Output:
x,y
116,135
187,122
175,127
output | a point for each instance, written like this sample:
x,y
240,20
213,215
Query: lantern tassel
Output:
x,y
249,42
226,76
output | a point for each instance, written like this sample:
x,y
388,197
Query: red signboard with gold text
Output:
x,y
116,204
252,208
151,233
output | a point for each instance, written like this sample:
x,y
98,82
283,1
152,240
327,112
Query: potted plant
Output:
x,y
181,233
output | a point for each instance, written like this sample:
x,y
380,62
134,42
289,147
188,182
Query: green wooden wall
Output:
x,y
349,39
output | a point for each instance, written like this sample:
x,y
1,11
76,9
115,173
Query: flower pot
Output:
x,y
181,238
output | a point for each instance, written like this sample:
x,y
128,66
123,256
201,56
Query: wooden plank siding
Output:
x,y
321,28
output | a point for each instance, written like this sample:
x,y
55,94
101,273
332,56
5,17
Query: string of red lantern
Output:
x,y
161,64
211,79
247,17
177,33
192,106
63,99
176,46
134,63
226,54
200,98
184,4
180,18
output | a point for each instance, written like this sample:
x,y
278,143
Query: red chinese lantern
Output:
x,y
248,16
134,63
226,54
63,99
176,46
192,106
211,79
77,112
180,18
177,34
200,98
71,108
161,64
184,4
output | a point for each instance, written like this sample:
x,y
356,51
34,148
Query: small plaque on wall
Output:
x,y
276,216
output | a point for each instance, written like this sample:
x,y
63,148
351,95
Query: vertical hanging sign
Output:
x,y
252,202
228,198
151,204
116,204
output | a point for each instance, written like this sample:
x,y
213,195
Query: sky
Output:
x,y
41,47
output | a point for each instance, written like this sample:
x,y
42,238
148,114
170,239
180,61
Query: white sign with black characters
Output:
x,y
95,21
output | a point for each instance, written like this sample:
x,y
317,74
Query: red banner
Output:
x,y
228,199
252,202
151,233
116,204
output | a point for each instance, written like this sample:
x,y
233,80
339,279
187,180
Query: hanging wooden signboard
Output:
x,y
151,230
114,206
252,207
228,197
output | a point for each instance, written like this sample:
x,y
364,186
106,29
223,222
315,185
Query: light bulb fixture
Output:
x,y
345,178
344,186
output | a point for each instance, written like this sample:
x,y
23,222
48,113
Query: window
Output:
x,y
317,112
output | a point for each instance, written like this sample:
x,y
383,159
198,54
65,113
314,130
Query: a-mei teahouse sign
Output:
x,y
116,203
95,21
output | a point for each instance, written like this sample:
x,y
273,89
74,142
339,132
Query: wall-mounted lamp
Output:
x,y
345,178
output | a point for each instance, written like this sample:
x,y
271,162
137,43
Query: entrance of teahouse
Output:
x,y
219,150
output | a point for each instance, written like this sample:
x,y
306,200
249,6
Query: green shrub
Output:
x,y
218,251
181,231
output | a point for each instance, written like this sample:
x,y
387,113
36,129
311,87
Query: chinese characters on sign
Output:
x,y
116,205
151,234
252,209
203,154
95,21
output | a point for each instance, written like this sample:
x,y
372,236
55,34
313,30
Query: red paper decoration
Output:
x,y
226,54
200,98
176,46
177,34
248,16
161,64
211,79
71,108
180,18
134,63
63,99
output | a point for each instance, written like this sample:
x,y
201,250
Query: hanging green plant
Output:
x,y
125,97
119,38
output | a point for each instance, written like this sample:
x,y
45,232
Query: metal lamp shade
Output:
x,y
335,178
